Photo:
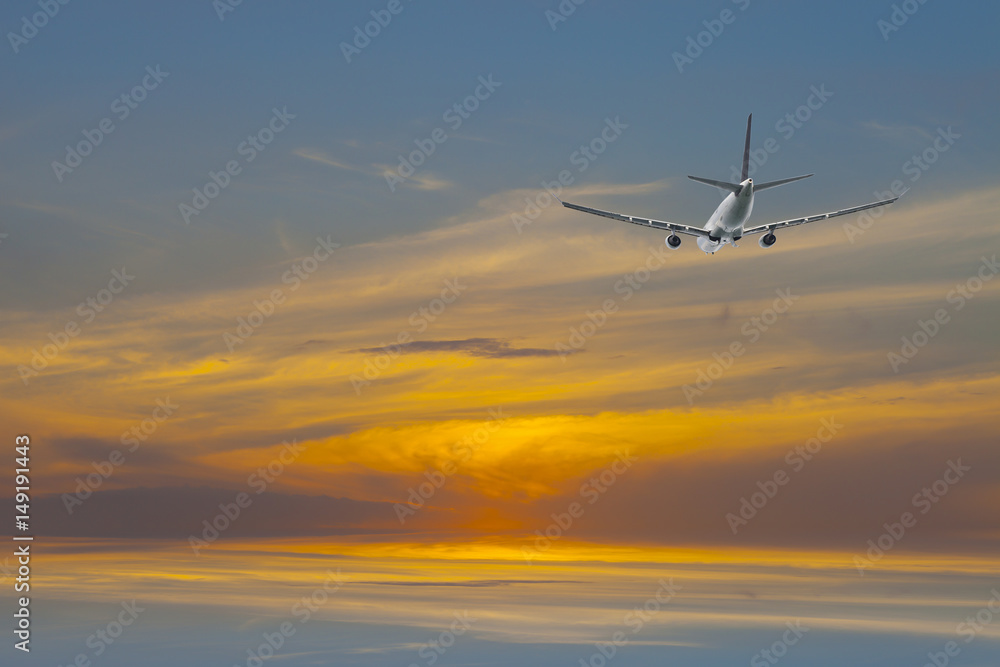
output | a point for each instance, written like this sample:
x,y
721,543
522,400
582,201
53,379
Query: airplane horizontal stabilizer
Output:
x,y
732,187
757,187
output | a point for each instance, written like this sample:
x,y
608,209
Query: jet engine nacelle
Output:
x,y
767,240
673,242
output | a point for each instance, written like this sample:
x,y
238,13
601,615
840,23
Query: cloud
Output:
x,y
482,140
481,583
491,348
896,131
179,512
291,379
429,182
419,180
622,188
837,499
317,155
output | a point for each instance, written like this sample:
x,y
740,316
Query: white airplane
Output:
x,y
727,223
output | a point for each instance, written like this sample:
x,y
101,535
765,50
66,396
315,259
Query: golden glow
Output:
x,y
373,423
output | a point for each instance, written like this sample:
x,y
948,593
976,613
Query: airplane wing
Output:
x,y
655,224
771,226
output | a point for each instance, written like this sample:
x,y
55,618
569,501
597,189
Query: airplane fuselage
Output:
x,y
726,224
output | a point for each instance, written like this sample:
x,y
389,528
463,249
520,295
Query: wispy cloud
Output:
x,y
623,188
492,348
429,182
482,140
477,583
896,131
317,155
419,180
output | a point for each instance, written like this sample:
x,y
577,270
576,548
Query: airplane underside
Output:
x,y
709,246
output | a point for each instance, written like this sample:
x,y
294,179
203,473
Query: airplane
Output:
x,y
727,222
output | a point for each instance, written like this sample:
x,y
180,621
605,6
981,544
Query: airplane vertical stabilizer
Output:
x,y
746,152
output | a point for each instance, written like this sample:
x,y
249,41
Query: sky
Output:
x,y
305,345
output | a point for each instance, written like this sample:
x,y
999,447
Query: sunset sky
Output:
x,y
462,399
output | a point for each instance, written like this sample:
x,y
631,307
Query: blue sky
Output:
x,y
558,86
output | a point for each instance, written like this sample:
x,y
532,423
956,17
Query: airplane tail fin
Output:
x,y
735,187
746,152
723,185
757,187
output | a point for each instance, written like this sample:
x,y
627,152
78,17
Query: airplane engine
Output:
x,y
767,240
673,242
